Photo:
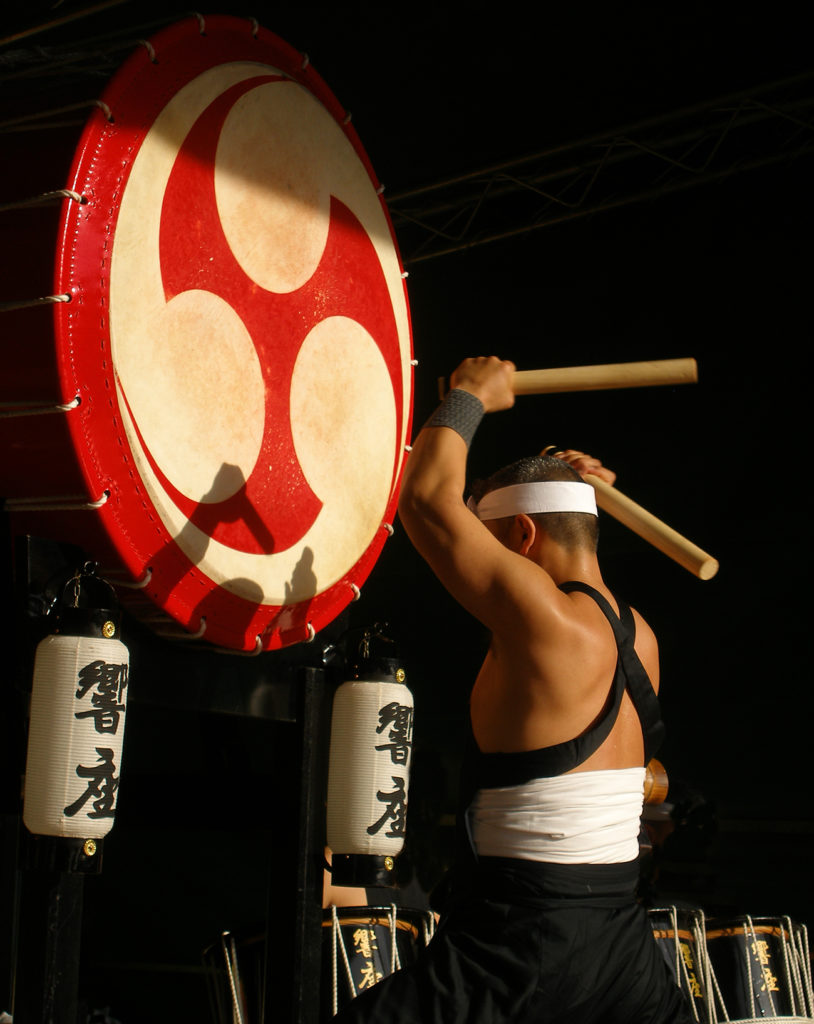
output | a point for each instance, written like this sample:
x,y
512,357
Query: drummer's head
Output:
x,y
570,530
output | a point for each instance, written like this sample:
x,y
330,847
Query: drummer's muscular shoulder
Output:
x,y
568,646
557,639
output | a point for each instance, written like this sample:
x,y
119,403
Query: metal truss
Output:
x,y
653,158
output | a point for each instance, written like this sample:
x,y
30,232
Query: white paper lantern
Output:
x,y
369,770
78,705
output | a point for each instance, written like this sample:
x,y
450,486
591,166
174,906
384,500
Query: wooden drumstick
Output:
x,y
606,376
651,529
602,377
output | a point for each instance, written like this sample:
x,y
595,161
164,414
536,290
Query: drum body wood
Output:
x,y
218,404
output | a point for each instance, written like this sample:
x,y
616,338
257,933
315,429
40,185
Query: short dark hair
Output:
x,y
569,529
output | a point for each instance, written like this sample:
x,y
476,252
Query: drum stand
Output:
x,y
284,980
291,994
286,986
42,882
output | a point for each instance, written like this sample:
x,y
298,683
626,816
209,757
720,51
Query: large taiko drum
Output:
x,y
214,397
762,968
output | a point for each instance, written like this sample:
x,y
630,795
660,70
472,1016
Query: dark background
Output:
x,y
680,264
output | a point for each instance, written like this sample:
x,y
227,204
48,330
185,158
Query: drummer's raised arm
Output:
x,y
466,556
435,476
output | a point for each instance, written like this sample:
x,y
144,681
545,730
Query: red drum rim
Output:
x,y
272,576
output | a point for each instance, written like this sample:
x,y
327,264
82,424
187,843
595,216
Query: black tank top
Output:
x,y
485,771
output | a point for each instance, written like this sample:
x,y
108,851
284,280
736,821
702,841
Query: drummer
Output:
x,y
541,922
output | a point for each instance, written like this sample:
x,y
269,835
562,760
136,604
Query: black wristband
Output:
x,y
461,411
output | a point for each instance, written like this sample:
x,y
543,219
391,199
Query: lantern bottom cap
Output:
x,y
362,869
63,854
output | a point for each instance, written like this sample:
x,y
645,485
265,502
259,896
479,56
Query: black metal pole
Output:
x,y
293,947
48,960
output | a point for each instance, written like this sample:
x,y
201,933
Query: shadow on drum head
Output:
x,y
169,565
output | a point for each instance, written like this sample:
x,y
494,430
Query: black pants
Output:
x,y
533,943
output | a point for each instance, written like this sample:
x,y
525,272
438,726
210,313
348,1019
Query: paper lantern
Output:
x,y
76,729
369,774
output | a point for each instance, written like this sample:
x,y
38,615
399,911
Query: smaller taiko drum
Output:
x,y
679,934
362,945
762,968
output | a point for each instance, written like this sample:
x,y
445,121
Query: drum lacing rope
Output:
x,y
357,593
8,410
681,968
199,632
680,964
701,958
395,961
7,307
138,584
801,939
257,649
69,503
751,927
105,110
792,968
715,990
338,940
167,627
28,122
150,50
234,977
46,197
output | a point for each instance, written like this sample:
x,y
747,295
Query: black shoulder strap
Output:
x,y
638,682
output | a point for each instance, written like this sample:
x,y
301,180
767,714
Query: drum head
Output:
x,y
238,335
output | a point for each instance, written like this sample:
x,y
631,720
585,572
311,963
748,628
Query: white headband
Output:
x,y
542,496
